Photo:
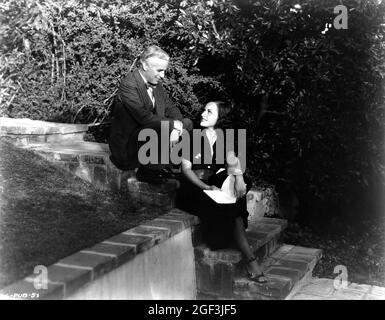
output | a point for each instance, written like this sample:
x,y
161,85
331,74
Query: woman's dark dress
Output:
x,y
217,220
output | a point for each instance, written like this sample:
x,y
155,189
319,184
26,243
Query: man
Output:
x,y
141,102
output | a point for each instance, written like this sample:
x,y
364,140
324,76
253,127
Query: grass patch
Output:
x,y
360,247
47,214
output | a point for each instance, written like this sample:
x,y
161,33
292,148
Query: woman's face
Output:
x,y
209,115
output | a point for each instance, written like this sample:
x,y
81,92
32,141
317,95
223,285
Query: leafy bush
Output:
x,y
71,55
321,139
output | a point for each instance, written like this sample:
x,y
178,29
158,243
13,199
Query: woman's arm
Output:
x,y
234,168
239,186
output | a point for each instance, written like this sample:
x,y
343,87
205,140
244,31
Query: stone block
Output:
x,y
69,157
50,156
98,264
100,177
267,248
13,129
275,221
113,178
120,253
141,243
284,249
37,139
178,215
229,255
174,227
215,277
301,266
300,257
36,130
73,278
275,288
292,275
304,250
93,158
69,137
267,228
157,234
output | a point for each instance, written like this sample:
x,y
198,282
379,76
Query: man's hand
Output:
x,y
207,187
174,137
178,125
176,133
239,186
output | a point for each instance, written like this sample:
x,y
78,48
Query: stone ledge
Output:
x,y
259,235
275,288
284,274
36,127
72,272
90,162
217,270
324,289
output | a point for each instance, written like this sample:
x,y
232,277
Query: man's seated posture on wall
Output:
x,y
142,102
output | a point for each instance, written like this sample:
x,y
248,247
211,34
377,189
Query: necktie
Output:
x,y
150,90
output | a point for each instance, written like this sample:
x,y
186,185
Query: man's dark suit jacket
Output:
x,y
132,111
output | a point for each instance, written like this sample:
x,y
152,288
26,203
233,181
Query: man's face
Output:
x,y
153,69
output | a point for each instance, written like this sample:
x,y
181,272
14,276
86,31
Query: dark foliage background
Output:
x,y
320,140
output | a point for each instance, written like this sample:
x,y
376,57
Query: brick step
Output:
x,y
287,269
216,270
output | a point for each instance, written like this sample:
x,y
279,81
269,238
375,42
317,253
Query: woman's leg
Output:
x,y
244,246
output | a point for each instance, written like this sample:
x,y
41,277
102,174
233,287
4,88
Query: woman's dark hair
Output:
x,y
224,111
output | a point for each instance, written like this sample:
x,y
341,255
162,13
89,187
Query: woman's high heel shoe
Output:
x,y
251,275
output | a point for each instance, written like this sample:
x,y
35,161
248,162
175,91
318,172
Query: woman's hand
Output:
x,y
213,188
239,186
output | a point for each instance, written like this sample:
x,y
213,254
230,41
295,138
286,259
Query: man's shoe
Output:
x,y
150,176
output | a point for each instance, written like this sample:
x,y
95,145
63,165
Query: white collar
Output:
x,y
211,136
144,79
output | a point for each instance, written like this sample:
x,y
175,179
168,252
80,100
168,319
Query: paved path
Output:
x,y
323,289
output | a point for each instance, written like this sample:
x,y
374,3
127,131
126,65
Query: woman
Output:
x,y
222,224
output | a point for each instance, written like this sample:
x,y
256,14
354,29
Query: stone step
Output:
x,y
260,234
288,269
90,162
216,270
77,148
330,289
87,160
25,131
